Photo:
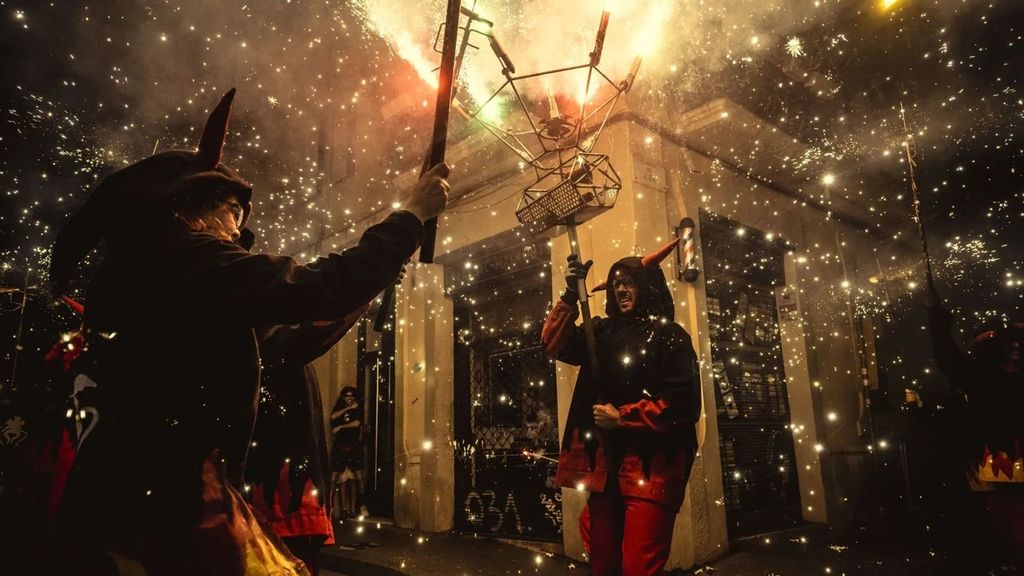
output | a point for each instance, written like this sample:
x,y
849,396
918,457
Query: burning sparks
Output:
x,y
648,36
972,200
412,53
794,47
538,37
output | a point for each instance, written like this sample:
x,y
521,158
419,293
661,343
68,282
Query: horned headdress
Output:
x,y
143,189
648,262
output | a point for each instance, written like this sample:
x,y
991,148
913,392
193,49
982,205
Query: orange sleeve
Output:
x,y
649,415
560,333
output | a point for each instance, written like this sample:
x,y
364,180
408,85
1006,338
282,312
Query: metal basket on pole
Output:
x,y
573,183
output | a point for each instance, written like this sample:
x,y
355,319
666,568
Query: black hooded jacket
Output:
x,y
171,322
988,391
642,356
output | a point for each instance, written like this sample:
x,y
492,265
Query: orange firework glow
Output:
x,y
533,33
647,42
411,52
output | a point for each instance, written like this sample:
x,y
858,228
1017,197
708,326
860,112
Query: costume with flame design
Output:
x,y
288,467
989,382
637,470
170,318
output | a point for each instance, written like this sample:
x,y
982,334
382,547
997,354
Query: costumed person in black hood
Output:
x,y
630,437
169,322
988,383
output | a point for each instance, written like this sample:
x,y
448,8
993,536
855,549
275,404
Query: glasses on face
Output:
x,y
237,211
625,281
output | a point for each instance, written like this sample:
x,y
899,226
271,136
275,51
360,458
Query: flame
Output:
x,y
534,35
413,54
412,40
583,96
649,32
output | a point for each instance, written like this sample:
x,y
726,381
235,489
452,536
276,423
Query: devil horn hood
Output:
x,y
654,259
211,144
653,295
146,187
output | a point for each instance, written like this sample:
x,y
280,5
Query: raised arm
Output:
x,y
266,290
563,339
221,277
304,343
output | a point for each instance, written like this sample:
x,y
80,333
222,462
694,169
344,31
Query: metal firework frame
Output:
x,y
573,183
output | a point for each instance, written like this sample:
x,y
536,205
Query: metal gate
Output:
x,y
506,417
376,369
743,267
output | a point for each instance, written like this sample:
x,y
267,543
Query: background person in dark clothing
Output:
x,y
157,482
988,388
347,451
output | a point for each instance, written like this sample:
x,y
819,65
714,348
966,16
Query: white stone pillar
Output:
x,y
424,402
800,388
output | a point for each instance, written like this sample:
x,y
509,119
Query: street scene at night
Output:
x,y
500,287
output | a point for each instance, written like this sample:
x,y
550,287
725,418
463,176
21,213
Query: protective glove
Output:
x,y
575,272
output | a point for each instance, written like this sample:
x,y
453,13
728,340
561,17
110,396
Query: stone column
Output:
x,y
424,402
802,402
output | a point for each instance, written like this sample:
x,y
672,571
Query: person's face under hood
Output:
x,y
635,291
625,289
224,220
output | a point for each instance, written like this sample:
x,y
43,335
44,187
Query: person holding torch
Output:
x,y
170,319
630,437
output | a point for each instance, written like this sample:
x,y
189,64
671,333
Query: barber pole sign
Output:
x,y
687,267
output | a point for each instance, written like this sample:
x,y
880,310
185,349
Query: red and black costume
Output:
x,y
287,471
170,319
636,473
989,387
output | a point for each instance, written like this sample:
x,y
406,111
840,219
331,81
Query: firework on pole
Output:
x,y
573,183
438,144
910,151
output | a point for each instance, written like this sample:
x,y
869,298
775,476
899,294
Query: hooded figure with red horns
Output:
x,y
170,342
630,437
987,382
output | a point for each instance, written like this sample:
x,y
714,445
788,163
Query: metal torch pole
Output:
x,y
438,145
588,325
445,90
915,195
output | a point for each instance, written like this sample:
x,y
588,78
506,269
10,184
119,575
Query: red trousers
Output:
x,y
626,536
1005,506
